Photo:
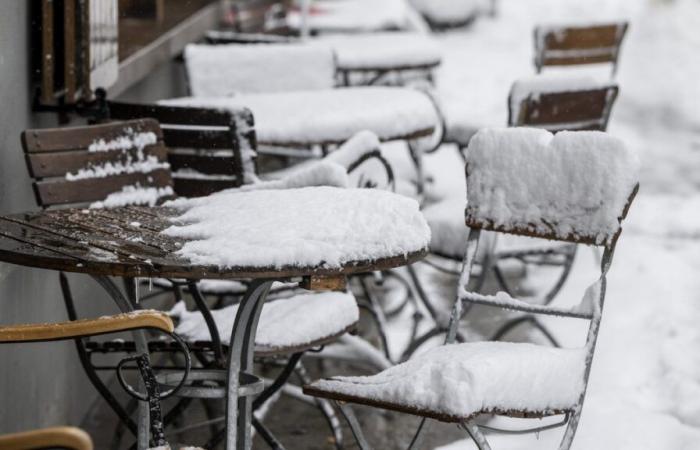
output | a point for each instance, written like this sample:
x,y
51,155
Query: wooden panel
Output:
x,y
203,163
606,57
189,187
583,38
42,332
179,115
208,139
62,192
58,164
568,107
77,138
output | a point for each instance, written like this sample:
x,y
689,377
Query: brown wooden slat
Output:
x,y
203,163
582,37
62,192
69,50
576,60
568,107
78,138
55,164
189,187
179,115
206,139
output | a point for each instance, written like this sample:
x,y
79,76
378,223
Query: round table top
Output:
x,y
128,242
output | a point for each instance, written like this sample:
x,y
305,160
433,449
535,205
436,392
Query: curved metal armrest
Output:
x,y
86,327
57,437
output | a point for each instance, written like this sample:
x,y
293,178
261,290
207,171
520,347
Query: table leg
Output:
x,y
126,306
239,411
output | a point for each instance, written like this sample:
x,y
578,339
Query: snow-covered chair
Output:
x,y
578,44
444,14
573,187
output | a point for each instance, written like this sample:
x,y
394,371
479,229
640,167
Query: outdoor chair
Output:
x,y
553,103
70,438
257,16
579,45
124,163
456,383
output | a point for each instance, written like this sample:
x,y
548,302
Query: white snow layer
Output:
x,y
134,195
309,227
550,83
296,321
354,148
128,141
224,70
571,184
318,173
449,11
388,50
330,115
462,379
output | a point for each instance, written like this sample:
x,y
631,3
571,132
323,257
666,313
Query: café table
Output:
x,y
128,242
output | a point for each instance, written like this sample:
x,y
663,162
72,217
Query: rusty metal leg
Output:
x,y
239,411
125,306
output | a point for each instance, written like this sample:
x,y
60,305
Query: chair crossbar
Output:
x,y
505,301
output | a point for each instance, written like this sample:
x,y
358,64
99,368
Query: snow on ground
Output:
x,y
645,386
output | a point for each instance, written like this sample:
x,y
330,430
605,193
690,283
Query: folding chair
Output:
x,y
70,438
124,163
578,45
457,383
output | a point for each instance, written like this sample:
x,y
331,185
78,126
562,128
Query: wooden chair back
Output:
x,y
575,45
259,16
208,150
86,164
564,110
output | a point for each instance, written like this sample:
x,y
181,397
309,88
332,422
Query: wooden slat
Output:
x,y
42,332
582,37
204,163
79,138
568,107
68,438
42,165
206,139
47,51
62,192
69,50
550,60
185,187
179,115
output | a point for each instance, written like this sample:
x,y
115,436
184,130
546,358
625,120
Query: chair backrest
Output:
x,y
573,186
258,16
117,164
208,150
224,70
561,103
575,45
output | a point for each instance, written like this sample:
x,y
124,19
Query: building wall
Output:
x,y
42,384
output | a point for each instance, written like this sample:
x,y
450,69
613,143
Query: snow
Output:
x,y
388,50
108,169
224,70
571,184
462,379
309,227
291,322
548,83
319,173
130,140
134,195
449,11
332,115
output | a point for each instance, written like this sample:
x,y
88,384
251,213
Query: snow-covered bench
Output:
x,y
566,45
573,187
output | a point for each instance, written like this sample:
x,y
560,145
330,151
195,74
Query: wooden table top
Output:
x,y
127,242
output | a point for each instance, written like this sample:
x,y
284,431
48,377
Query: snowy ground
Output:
x,y
645,386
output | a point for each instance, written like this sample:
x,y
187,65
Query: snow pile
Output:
x,y
224,70
291,322
462,379
355,148
383,50
129,141
309,227
449,11
108,169
135,195
534,86
571,184
331,115
319,173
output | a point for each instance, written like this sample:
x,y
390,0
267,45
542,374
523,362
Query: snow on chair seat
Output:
x,y
572,186
455,382
330,116
292,324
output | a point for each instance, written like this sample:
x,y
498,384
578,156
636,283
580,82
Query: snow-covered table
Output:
x,y
317,234
330,116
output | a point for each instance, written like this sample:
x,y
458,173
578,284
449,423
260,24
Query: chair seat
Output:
x,y
286,325
455,382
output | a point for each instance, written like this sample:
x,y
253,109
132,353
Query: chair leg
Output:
x,y
349,415
417,441
475,434
325,407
